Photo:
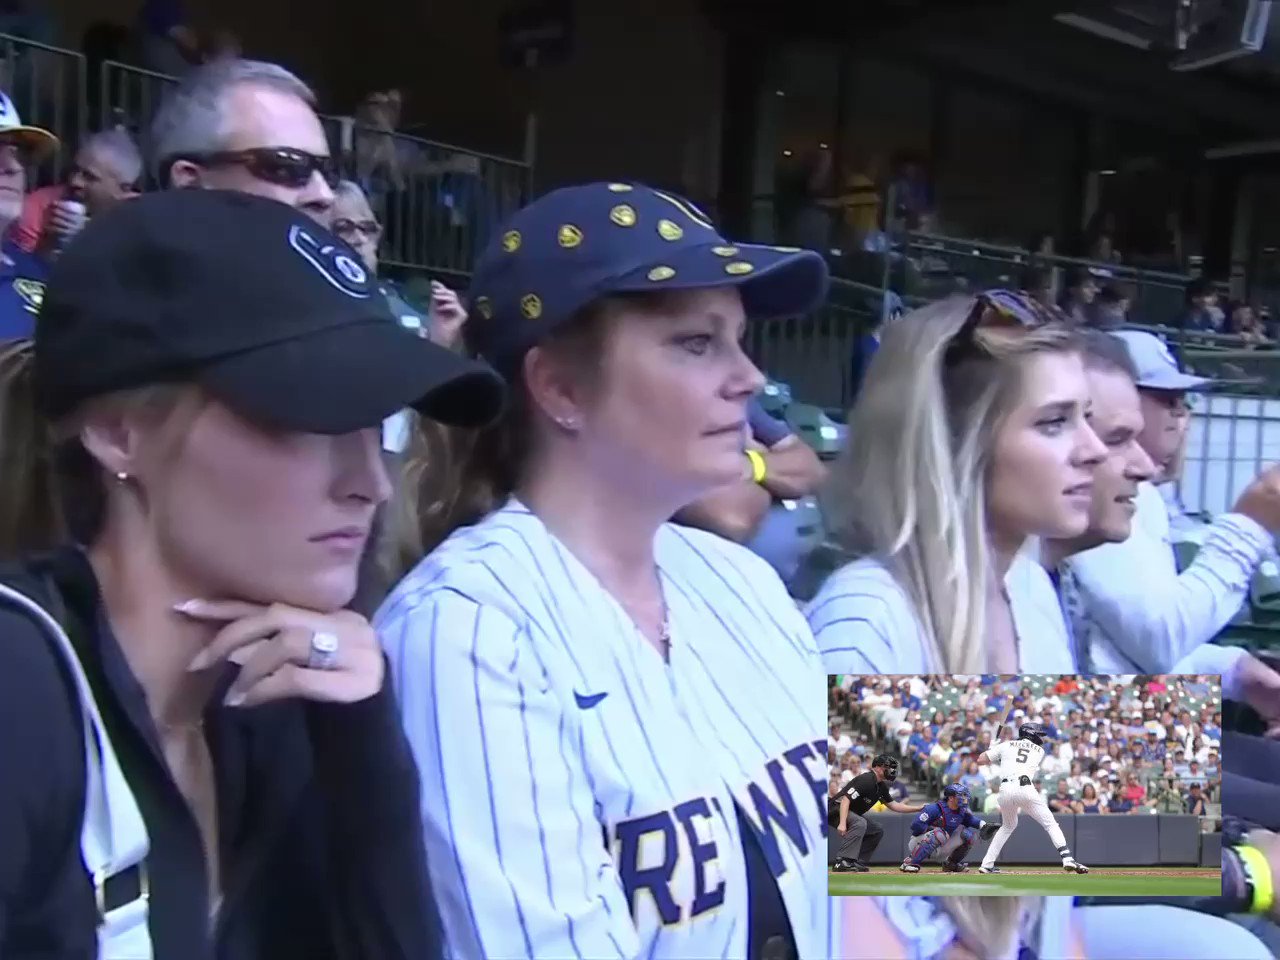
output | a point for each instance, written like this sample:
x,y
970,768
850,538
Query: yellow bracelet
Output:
x,y
759,470
1258,871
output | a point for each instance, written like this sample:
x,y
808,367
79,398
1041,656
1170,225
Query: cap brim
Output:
x,y
1173,381
774,281
353,377
39,141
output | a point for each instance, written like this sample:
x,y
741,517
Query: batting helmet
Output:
x,y
888,764
1031,731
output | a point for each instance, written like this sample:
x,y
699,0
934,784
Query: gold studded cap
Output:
x,y
578,244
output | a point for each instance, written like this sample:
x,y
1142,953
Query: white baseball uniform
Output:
x,y
1012,759
580,796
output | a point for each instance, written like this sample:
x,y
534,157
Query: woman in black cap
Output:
x,y
615,717
200,756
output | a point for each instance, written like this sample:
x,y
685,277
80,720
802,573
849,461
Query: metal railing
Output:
x,y
47,85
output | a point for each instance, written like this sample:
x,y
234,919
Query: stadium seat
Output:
x,y
812,425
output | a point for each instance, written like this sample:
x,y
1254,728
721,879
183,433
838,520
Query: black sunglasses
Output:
x,y
282,166
1001,308
345,228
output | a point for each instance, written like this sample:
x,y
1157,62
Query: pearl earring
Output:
x,y
121,476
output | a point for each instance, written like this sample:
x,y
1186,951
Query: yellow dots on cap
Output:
x,y
621,187
623,215
484,307
669,230
531,306
569,236
725,251
738,268
511,241
661,273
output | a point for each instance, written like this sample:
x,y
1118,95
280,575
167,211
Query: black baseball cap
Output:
x,y
578,244
249,298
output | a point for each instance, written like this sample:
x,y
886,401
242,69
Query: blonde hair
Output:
x,y
910,489
989,925
52,489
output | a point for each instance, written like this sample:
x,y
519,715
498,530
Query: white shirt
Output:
x,y
1016,758
1139,614
865,622
578,791
841,745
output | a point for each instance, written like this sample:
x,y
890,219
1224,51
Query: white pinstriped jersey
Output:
x,y
1016,758
578,791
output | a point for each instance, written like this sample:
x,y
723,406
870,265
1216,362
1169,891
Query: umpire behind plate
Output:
x,y
855,837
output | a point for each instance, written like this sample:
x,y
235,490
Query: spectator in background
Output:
x,y
1110,311
1196,802
1246,325
911,195
1061,800
839,741
972,779
1040,284
22,275
1194,773
1199,313
107,169
1078,295
354,222
1117,802
167,41
1134,791
1090,801
249,126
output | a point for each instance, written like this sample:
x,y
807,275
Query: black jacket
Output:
x,y
321,845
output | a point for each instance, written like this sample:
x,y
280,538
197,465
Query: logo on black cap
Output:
x,y
331,262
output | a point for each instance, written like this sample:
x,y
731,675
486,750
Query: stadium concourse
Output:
x,y
1116,745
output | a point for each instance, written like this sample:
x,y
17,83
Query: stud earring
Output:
x,y
121,476
569,423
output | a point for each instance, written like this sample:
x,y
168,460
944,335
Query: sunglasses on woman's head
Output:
x,y
1001,308
282,166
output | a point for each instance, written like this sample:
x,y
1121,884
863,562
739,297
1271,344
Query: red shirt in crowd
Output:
x,y
29,229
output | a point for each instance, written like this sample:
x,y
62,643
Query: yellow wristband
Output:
x,y
759,470
1258,871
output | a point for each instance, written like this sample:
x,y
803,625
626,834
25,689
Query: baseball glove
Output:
x,y
988,831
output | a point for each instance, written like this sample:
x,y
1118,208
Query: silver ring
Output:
x,y
324,652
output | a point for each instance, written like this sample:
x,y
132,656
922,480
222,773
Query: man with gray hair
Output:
x,y
106,170
249,126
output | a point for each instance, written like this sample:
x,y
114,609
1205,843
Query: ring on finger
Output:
x,y
323,654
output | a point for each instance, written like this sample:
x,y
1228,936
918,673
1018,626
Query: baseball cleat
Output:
x,y
848,866
950,867
1071,866
986,869
908,867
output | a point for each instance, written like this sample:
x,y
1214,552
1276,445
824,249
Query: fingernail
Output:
x,y
188,606
233,699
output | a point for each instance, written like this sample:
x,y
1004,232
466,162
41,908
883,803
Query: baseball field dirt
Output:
x,y
1031,880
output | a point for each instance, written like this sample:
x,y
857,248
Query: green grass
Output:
x,y
1101,881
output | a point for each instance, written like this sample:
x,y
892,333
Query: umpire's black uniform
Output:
x,y
862,836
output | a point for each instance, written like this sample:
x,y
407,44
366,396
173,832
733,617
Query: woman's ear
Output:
x,y
112,440
552,388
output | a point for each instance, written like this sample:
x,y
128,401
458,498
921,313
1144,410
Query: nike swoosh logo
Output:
x,y
589,701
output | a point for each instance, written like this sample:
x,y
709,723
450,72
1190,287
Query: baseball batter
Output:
x,y
1016,763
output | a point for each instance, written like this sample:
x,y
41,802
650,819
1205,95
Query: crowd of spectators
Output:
x,y
1115,744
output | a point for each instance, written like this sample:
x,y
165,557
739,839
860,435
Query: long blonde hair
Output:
x,y
989,925
52,490
910,489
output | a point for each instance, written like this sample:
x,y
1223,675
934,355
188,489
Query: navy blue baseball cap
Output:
x,y
252,300
575,245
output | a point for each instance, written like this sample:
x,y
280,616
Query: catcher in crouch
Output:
x,y
946,829
1016,762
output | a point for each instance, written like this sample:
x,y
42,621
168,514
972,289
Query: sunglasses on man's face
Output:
x,y
282,166
1001,308
347,229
